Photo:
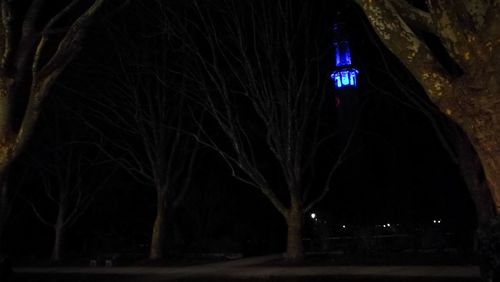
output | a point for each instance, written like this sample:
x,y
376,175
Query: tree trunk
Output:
x,y
295,223
491,165
477,111
157,238
59,231
57,249
473,175
487,145
5,205
488,234
3,221
482,125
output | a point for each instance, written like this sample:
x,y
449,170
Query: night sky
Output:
x,y
397,170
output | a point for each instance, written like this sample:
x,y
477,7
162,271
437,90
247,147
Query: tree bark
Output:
x,y
24,79
470,99
159,227
491,165
3,222
295,224
474,169
59,230
475,110
2,229
57,249
489,232
473,174
5,205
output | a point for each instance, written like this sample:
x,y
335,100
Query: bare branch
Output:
x,y
256,62
41,84
457,36
412,52
414,17
71,42
7,48
340,159
39,215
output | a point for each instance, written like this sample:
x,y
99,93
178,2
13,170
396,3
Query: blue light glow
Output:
x,y
345,75
342,54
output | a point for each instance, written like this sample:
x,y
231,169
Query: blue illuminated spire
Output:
x,y
344,75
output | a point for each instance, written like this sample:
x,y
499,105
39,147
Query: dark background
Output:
x,y
398,171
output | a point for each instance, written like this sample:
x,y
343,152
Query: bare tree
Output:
x,y
67,170
34,48
66,177
257,68
144,107
463,86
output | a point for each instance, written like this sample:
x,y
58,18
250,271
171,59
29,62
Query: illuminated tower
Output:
x,y
344,75
345,80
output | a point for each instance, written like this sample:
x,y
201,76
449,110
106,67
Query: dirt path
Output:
x,y
249,268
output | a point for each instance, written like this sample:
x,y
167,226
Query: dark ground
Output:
x,y
396,267
146,278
